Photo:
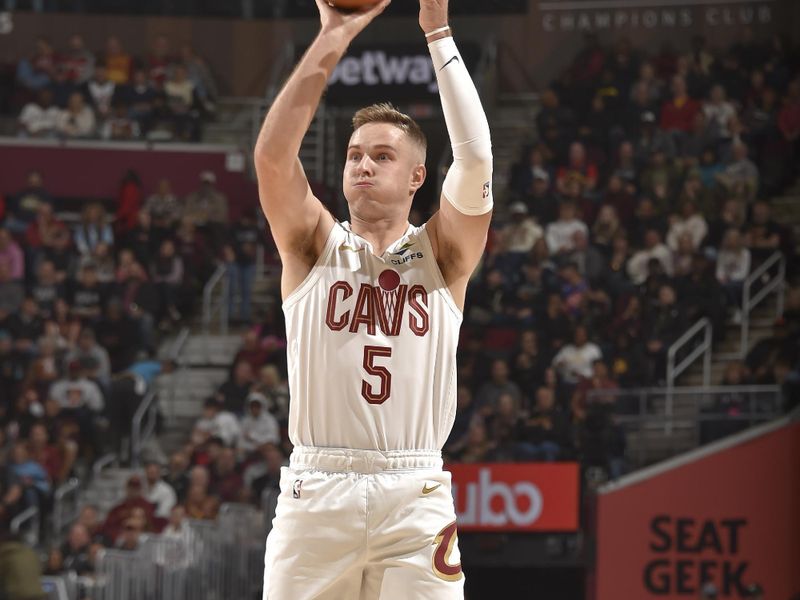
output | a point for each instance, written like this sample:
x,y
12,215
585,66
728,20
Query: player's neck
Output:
x,y
380,233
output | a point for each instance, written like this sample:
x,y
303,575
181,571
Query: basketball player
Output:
x,y
373,309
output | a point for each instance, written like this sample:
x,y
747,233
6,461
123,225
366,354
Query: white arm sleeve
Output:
x,y
468,185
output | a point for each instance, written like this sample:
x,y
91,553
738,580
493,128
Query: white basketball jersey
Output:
x,y
372,347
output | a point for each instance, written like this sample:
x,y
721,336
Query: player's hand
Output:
x,y
433,14
350,24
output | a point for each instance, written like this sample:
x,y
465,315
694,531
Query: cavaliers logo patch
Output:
x,y
445,541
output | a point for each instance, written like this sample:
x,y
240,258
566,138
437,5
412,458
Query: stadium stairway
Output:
x,y
656,443
513,126
204,365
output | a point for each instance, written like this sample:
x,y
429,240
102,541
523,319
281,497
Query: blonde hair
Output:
x,y
386,113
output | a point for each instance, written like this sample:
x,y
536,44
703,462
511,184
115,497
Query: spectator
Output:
x,y
575,360
166,272
11,292
677,114
544,435
159,61
181,98
200,505
207,207
733,268
135,506
740,177
688,222
663,325
240,256
234,391
227,483
654,249
200,75
24,205
177,476
36,485
258,426
275,389
763,234
522,232
478,447
99,90
599,381
77,120
58,460
34,73
78,61
163,207
500,383
93,229
92,356
39,118
79,396
41,233
89,296
118,62
157,491
220,423
578,168
139,97
75,554
560,234
120,125
12,258
265,476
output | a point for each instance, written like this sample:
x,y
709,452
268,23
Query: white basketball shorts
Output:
x,y
363,525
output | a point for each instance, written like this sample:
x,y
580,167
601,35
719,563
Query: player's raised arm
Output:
x,y
294,214
458,229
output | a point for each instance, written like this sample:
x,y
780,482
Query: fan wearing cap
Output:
x,y
119,514
258,426
207,208
522,231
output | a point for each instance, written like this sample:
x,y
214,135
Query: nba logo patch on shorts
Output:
x,y
298,483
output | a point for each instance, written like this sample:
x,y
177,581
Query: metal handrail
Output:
x,y
147,408
751,301
103,462
69,488
29,516
674,371
218,279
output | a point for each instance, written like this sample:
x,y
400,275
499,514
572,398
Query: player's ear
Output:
x,y
418,178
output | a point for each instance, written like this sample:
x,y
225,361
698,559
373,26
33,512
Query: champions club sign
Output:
x,y
614,15
516,496
401,73
728,516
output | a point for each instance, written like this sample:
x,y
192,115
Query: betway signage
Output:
x,y
398,73
516,496
610,15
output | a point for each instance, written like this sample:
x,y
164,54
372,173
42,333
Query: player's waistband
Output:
x,y
348,460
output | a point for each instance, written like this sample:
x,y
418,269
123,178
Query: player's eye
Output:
x,y
383,156
355,157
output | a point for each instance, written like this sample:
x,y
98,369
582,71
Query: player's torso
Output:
x,y
372,347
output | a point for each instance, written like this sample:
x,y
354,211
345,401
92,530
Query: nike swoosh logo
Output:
x,y
455,58
426,490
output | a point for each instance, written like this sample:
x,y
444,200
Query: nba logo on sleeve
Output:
x,y
298,483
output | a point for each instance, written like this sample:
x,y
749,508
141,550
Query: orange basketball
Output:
x,y
354,4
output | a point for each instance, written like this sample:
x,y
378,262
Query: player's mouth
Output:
x,y
363,184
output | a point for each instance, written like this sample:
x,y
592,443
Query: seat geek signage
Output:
x,y
727,516
516,497
402,73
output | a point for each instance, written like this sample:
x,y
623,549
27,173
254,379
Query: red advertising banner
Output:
x,y
516,496
730,518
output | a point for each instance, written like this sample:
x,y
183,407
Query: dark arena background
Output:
x,y
629,366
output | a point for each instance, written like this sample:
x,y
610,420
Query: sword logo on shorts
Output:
x,y
298,483
427,490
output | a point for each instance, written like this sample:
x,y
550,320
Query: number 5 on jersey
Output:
x,y
368,391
